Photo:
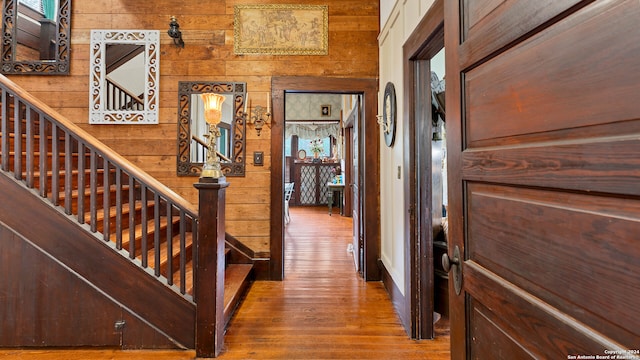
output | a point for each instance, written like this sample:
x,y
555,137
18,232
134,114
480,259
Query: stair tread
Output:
x,y
99,190
234,275
164,253
126,209
151,228
236,282
61,154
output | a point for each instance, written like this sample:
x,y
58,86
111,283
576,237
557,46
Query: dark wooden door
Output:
x,y
543,133
358,245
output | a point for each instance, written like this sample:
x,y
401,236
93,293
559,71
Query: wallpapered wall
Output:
x,y
309,106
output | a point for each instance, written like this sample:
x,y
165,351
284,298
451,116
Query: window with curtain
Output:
x,y
305,144
49,9
308,145
313,131
307,133
46,7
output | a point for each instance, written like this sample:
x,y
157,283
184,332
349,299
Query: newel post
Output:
x,y
209,267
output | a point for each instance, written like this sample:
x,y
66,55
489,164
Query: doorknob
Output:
x,y
447,262
455,264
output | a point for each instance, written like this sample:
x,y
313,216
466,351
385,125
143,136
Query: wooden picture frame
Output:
x,y
301,30
325,110
389,108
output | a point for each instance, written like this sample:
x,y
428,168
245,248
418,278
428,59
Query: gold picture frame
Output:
x,y
277,29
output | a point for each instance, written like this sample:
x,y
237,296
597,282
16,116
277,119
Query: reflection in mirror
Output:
x,y
199,128
192,145
124,77
36,36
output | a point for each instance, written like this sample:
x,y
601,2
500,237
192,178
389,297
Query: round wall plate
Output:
x,y
389,110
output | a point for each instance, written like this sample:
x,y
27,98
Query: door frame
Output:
x,y
369,152
422,45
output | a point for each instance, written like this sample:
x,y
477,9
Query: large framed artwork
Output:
x,y
278,29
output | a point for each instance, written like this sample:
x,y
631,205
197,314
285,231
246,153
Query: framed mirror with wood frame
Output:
x,y
192,127
36,37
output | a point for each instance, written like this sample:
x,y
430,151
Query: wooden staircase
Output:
x,y
133,214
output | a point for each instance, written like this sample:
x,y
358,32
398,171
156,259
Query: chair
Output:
x,y
288,190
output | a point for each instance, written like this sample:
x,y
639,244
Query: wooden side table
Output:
x,y
335,188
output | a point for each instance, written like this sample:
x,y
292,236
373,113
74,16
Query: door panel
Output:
x,y
356,230
526,325
489,334
553,231
358,247
530,88
492,24
544,202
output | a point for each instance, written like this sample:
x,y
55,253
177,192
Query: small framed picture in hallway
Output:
x,y
325,110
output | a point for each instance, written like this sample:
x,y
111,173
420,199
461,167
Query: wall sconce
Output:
x,y
212,115
175,33
259,116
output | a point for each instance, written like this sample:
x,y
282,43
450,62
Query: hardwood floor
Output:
x,y
322,310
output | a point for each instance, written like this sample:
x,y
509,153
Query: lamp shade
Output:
x,y
212,107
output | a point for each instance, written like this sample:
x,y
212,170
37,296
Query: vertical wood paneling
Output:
x,y
207,28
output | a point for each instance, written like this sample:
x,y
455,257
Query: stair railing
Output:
x,y
99,188
119,98
201,149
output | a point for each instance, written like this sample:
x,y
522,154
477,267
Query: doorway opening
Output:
x,y
365,90
321,157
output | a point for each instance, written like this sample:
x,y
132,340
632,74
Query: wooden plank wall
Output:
x,y
207,28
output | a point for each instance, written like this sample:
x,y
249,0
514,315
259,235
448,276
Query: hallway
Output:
x,y
323,310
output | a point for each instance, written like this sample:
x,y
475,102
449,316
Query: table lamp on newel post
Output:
x,y
212,115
